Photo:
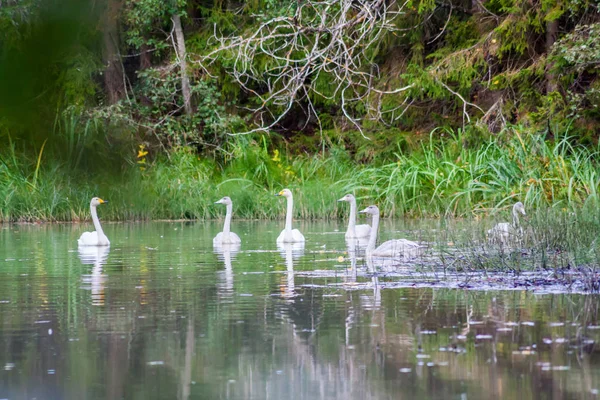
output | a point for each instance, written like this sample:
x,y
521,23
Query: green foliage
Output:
x,y
157,113
49,60
144,20
493,55
577,52
442,178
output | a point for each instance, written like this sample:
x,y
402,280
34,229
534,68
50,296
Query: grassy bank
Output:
x,y
443,178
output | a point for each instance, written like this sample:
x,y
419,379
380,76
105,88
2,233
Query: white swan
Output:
x,y
505,232
96,238
289,235
398,248
226,237
355,231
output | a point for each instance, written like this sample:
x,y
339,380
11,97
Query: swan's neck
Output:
x,y
96,221
352,220
515,214
373,236
227,225
288,214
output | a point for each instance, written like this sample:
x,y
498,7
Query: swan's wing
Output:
x,y
218,240
398,248
281,237
88,239
234,238
502,227
500,232
221,238
297,235
362,231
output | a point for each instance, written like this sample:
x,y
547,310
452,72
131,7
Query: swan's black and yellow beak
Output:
x,y
279,194
102,201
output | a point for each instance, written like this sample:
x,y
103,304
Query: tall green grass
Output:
x,y
441,178
447,179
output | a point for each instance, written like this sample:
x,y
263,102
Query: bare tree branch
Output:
x,y
323,49
465,102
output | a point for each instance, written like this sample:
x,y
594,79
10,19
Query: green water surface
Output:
x,y
162,315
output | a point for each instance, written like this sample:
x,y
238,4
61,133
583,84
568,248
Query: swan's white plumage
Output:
x,y
96,238
293,236
505,232
355,231
91,239
226,237
223,238
501,231
397,248
289,235
361,231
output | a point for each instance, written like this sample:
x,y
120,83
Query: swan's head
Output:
x,y
285,193
96,201
349,198
225,200
373,210
519,208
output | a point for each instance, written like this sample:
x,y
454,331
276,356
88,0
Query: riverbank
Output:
x,y
437,179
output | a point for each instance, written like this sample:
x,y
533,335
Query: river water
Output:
x,y
163,315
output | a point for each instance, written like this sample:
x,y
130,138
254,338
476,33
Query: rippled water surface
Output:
x,y
162,315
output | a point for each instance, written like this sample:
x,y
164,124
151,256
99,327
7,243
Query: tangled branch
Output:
x,y
322,49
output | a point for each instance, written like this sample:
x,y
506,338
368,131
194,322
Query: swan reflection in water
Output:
x,y
354,248
96,256
376,291
225,253
290,251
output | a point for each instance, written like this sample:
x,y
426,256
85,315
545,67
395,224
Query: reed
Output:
x,y
439,178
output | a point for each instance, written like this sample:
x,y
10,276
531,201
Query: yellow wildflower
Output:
x,y
276,156
141,151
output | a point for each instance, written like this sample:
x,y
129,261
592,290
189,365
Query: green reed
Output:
x,y
440,178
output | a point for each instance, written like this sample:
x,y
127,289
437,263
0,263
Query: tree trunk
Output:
x,y
113,74
145,61
181,55
551,33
